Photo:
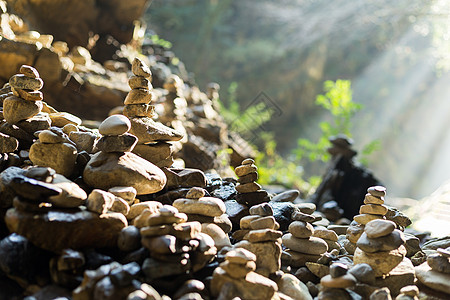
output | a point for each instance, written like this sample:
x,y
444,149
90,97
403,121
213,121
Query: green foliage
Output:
x,y
161,42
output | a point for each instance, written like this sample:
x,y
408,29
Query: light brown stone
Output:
x,y
373,209
366,218
60,157
16,109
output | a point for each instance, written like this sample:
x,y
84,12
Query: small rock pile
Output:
x,y
115,165
205,210
334,285
55,150
152,136
262,238
249,192
175,246
372,209
301,243
235,277
381,246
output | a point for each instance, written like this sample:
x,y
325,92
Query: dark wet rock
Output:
x,y
235,212
22,261
398,217
282,212
178,178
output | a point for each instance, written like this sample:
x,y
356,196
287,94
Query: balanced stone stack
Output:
x,y
235,278
205,210
435,272
153,136
249,192
302,245
262,238
115,164
174,105
54,149
372,209
175,246
334,285
381,246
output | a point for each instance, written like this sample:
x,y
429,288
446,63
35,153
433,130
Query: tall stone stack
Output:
x,y
249,191
153,137
334,285
262,238
372,209
301,245
381,246
25,104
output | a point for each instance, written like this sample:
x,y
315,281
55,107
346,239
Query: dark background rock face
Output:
x,y
75,21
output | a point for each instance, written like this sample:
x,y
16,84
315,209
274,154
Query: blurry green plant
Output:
x,y
338,101
161,42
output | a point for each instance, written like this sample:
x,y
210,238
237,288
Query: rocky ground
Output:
x,y
140,202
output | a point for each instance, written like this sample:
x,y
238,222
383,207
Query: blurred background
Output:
x,y
381,66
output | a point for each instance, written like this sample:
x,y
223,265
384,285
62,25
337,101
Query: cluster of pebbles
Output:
x,y
85,204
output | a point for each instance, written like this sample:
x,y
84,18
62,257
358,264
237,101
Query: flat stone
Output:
x,y
299,216
354,232
128,193
29,71
247,161
244,223
306,208
139,68
23,82
311,245
58,230
8,143
299,259
386,243
377,191
263,235
28,95
71,196
240,256
373,209
379,228
149,131
287,196
402,275
161,219
32,189
432,279
366,218
138,208
254,198
60,157
61,119
326,234
248,178
139,82
291,286
121,143
439,263
16,109
243,170
342,282
263,209
248,187
339,229
138,96
208,206
301,230
410,290
41,121
369,199
381,262
115,125
267,222
139,110
106,170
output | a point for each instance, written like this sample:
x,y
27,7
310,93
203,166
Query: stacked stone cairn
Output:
x,y
174,105
205,209
334,285
235,277
301,243
54,149
249,191
153,136
435,272
372,209
262,238
115,165
175,246
381,246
